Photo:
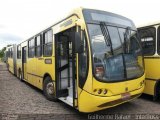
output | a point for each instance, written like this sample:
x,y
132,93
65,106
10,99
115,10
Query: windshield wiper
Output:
x,y
106,35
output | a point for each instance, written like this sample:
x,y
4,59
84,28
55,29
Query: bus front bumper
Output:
x,y
91,103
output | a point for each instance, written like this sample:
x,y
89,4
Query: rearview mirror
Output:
x,y
77,42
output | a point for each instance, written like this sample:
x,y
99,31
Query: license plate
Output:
x,y
125,96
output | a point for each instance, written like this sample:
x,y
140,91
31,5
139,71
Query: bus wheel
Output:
x,y
157,92
48,89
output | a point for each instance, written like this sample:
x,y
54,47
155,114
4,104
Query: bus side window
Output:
x,y
31,48
148,36
8,53
11,53
38,46
47,43
19,52
83,63
158,40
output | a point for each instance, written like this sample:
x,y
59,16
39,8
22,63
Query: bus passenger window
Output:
x,y
19,52
158,40
38,47
31,48
47,43
11,53
148,36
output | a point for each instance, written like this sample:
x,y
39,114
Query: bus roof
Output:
x,y
149,24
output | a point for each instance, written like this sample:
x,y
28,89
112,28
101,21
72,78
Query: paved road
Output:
x,y
21,100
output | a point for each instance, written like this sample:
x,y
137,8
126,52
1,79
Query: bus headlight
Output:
x,y
99,91
105,91
99,71
94,90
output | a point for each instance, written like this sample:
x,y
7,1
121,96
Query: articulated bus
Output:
x,y
150,38
91,60
11,58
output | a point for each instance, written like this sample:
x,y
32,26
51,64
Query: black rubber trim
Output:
x,y
82,80
151,57
151,79
34,75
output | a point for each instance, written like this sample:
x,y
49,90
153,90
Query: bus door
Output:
x,y
65,69
24,62
14,59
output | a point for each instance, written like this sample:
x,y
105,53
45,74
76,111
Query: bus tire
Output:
x,y
48,89
157,91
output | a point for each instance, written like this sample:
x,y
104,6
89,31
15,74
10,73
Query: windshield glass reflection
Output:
x,y
119,60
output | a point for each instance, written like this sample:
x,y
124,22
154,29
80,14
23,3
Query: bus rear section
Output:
x,y
150,34
11,58
91,60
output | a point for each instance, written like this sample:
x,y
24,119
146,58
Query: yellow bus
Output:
x,y
91,60
149,35
11,58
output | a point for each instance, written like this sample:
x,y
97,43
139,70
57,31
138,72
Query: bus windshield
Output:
x,y
116,53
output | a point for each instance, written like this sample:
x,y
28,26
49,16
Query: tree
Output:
x,y
2,52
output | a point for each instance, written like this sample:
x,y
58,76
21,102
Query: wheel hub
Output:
x,y
50,88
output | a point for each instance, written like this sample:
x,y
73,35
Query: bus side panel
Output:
x,y
33,69
31,66
149,87
39,72
48,68
152,66
10,63
37,68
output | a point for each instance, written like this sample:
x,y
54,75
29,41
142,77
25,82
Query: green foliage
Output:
x,y
2,52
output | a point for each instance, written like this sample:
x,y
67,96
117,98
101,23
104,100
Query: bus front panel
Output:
x,y
116,60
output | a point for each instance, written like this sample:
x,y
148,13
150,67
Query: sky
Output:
x,y
20,19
